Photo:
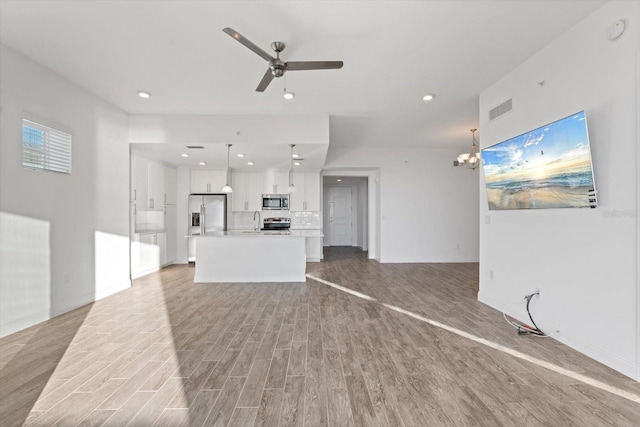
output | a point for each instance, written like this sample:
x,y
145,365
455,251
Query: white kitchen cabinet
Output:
x,y
140,181
147,183
312,191
276,182
154,179
132,178
313,247
247,191
161,242
148,253
208,181
169,185
170,226
307,194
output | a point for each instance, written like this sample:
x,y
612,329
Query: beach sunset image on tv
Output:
x,y
549,167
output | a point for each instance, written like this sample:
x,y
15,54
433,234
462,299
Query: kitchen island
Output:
x,y
252,256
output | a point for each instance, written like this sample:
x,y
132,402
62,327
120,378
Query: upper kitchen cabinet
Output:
x,y
307,194
207,181
146,183
276,182
154,183
139,181
169,185
247,191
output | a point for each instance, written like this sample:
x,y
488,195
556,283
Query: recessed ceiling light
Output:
x,y
289,95
240,155
202,163
339,180
143,94
184,155
295,156
297,163
250,163
428,97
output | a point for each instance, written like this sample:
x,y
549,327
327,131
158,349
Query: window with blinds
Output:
x,y
45,148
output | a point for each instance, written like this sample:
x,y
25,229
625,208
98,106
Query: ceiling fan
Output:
x,y
277,67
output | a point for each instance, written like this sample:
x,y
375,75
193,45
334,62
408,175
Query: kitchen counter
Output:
x,y
262,233
248,256
147,232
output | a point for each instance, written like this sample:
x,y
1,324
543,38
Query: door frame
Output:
x,y
373,203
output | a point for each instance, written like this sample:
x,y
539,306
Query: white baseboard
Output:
x,y
23,323
434,260
59,309
88,298
114,289
139,274
602,355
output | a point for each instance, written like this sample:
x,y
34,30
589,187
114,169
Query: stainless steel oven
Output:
x,y
273,202
277,224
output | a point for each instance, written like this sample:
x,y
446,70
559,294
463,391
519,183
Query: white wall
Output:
x,y
583,261
64,239
428,208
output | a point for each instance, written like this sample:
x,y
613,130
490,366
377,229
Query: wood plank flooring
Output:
x,y
168,352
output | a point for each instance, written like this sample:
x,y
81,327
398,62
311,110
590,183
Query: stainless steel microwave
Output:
x,y
273,202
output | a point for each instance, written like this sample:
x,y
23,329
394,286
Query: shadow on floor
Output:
x,y
32,358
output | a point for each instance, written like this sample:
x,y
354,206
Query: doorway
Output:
x,y
365,196
346,211
340,216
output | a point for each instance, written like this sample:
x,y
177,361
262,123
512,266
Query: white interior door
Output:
x,y
340,216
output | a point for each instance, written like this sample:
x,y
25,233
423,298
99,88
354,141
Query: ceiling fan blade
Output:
x,y
239,37
313,65
266,79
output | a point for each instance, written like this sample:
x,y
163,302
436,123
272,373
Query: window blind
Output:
x,y
45,148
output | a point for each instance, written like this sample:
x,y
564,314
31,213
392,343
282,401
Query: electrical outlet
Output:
x,y
491,274
487,219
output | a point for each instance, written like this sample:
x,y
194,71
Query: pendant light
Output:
x,y
227,188
471,159
292,188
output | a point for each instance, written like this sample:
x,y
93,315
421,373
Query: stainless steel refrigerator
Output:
x,y
207,213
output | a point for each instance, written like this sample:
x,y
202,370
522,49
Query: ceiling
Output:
x,y
311,157
394,52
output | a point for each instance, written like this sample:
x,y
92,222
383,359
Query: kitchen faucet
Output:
x,y
257,226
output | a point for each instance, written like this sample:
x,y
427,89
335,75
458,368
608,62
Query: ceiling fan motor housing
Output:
x,y
278,67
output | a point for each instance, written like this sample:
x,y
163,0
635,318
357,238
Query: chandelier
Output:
x,y
471,159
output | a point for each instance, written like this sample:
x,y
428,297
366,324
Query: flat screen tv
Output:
x,y
548,167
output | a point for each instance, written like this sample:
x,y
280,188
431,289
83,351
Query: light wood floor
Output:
x,y
171,353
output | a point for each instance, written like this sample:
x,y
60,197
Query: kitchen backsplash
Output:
x,y
299,220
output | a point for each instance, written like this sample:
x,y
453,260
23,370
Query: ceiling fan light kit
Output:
x,y
278,67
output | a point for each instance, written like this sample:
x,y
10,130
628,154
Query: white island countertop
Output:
x,y
262,233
